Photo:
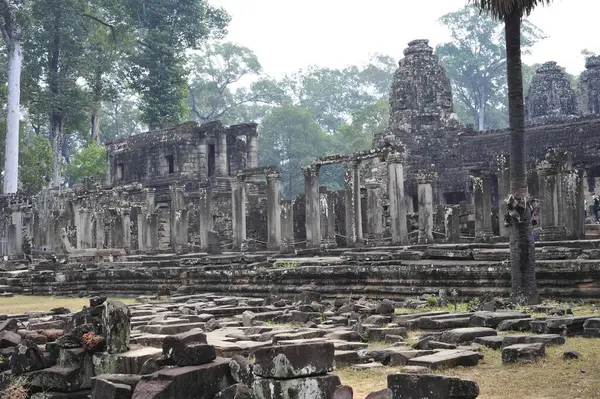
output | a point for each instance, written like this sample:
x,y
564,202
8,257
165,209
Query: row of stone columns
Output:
x,y
222,155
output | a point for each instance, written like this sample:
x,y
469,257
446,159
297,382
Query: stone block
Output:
x,y
402,357
241,370
523,353
547,339
9,338
116,326
447,359
515,325
174,347
319,387
111,390
493,319
464,335
293,361
492,342
190,382
195,355
236,391
345,358
419,386
377,334
129,362
26,357
84,394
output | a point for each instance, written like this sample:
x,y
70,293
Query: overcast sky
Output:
x,y
288,35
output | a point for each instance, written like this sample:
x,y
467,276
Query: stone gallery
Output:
x,y
188,213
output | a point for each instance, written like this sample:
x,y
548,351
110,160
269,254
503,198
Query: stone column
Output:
x,y
374,211
238,202
503,163
126,219
327,209
206,217
203,159
313,219
140,215
353,204
410,206
222,167
572,217
252,150
274,211
397,200
99,216
16,233
178,219
549,171
152,232
84,228
425,179
287,226
482,197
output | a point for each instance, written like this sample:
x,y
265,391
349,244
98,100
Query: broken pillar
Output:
x,y
574,197
287,226
311,193
503,165
397,199
410,205
140,222
152,231
178,221
452,223
238,203
15,236
482,197
222,167
274,211
549,171
374,211
99,217
425,179
205,215
327,210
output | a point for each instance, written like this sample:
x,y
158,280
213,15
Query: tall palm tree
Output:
x,y
522,249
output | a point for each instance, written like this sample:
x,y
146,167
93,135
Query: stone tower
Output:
x,y
421,94
550,94
589,87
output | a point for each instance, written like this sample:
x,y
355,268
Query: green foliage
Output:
x,y
290,138
432,300
165,29
475,62
89,162
35,162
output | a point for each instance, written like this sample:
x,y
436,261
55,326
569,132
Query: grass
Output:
x,y
27,303
550,378
460,307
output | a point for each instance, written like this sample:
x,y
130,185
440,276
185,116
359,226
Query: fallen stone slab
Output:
x,y
190,382
319,387
447,359
434,323
343,358
111,390
377,334
175,348
523,353
127,379
492,342
313,333
343,392
367,366
293,361
493,319
419,386
464,335
400,357
515,325
171,329
84,394
547,339
129,362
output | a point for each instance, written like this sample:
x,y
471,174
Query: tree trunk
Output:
x,y
11,160
482,110
96,122
522,251
57,145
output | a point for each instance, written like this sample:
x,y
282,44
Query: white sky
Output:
x,y
288,35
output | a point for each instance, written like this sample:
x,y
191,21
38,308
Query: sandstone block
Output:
x,y
419,386
319,387
463,335
26,357
293,361
116,320
447,359
111,390
523,353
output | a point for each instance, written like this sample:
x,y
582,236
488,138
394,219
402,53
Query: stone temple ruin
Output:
x,y
188,212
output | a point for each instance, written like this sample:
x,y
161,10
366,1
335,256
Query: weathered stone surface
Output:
x,y
463,335
493,319
550,94
523,353
236,391
345,358
9,338
190,382
174,346
547,339
385,307
571,355
116,320
195,355
492,342
343,392
515,325
419,386
110,390
293,361
383,394
9,325
319,387
447,358
401,357
241,370
130,362
26,357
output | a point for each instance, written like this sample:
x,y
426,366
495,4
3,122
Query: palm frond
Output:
x,y
499,9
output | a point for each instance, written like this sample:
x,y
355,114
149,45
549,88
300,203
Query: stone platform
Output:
x,y
565,269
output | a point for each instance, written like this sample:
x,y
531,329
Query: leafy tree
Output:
x,y
215,70
89,162
475,61
165,30
56,47
290,138
13,15
522,249
122,116
35,163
